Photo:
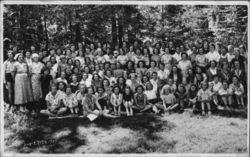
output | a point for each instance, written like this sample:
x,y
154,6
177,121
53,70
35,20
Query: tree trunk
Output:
x,y
46,33
70,27
114,31
120,32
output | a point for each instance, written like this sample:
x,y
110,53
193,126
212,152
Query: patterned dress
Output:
x,y
36,69
23,91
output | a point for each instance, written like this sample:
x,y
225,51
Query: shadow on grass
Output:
x,y
40,129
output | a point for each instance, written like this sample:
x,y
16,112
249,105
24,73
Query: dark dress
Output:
x,y
74,87
45,80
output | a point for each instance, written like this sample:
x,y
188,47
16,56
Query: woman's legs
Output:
x,y
209,108
47,113
119,110
126,107
10,93
224,99
203,108
115,110
242,101
147,107
131,111
76,110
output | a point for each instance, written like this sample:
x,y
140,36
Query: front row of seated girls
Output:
x,y
110,101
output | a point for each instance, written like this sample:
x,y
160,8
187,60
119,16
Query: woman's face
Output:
x,y
167,50
96,77
141,65
193,88
20,58
201,51
36,59
76,70
68,53
184,56
180,88
225,85
156,51
174,69
237,64
82,88
170,81
121,80
116,90
108,73
152,64
212,64
58,52
74,78
86,70
100,90
90,91
162,66
63,74
166,91
32,48
27,54
211,48
204,86
87,50
53,60
10,55
138,52
68,91
235,80
127,90
72,48
53,89
48,65
84,76
130,64
61,86
139,90
145,79
105,83
52,52
131,48
79,45
70,61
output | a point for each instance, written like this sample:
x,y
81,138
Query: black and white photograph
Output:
x,y
135,78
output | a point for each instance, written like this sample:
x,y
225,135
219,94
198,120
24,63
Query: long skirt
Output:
x,y
36,87
23,92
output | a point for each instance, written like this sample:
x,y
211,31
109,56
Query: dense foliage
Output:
x,y
42,25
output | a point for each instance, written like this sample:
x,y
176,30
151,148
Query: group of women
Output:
x,y
96,78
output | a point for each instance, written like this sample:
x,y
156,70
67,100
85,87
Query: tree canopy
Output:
x,y
59,24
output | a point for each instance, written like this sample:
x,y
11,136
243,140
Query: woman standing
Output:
x,y
23,92
8,69
36,70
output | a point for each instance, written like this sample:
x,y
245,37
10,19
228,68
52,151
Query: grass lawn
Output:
x,y
175,133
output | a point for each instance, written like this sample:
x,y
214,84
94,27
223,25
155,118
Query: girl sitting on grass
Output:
x,y
204,97
74,85
70,101
181,94
128,101
238,91
226,94
192,97
116,100
215,86
168,100
140,99
54,101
